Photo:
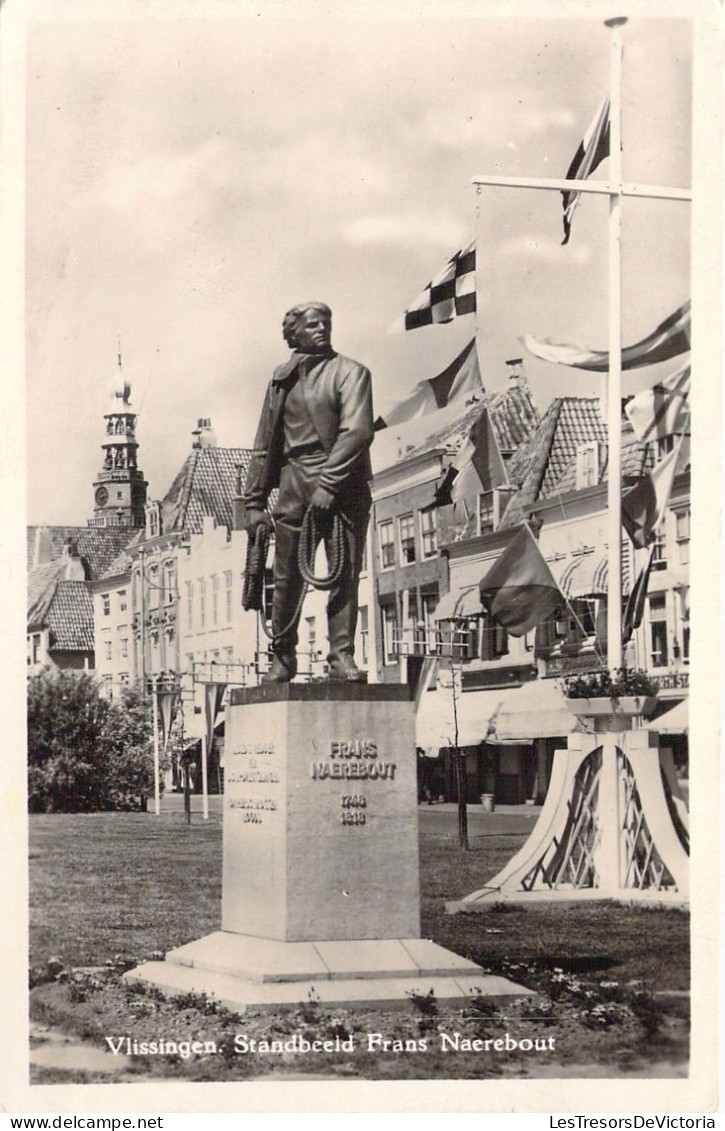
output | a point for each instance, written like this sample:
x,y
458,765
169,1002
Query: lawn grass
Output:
x,y
119,888
127,885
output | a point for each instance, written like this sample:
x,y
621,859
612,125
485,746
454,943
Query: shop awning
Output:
x,y
476,713
674,721
586,573
535,710
459,603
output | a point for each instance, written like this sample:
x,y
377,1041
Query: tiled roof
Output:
x,y
98,545
70,618
41,578
206,485
579,421
637,460
527,467
66,609
124,561
513,414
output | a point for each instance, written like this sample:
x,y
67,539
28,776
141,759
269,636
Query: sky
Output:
x,y
188,180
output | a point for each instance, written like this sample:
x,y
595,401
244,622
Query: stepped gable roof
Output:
x,y
205,485
97,545
513,415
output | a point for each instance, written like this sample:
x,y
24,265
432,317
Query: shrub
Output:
x,y
609,685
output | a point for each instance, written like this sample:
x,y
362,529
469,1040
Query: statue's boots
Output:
x,y
282,669
343,667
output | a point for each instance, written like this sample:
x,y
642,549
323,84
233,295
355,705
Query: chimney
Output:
x,y
73,568
203,435
516,375
41,546
239,514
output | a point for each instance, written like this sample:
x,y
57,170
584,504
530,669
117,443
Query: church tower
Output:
x,y
119,488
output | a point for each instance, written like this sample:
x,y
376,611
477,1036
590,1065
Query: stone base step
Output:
x,y
241,971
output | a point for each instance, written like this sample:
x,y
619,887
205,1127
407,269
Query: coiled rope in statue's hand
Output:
x,y
311,535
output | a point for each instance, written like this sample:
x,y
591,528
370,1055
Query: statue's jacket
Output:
x,y
338,395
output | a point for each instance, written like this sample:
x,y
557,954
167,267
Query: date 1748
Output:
x,y
351,806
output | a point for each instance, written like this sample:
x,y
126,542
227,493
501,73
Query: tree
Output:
x,y
66,717
85,752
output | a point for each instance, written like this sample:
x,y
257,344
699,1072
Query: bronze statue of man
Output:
x,y
313,443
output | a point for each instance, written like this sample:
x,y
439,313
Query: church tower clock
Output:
x,y
119,487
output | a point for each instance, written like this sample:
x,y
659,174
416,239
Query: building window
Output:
x,y
123,646
122,605
406,533
494,639
665,445
107,649
587,465
214,598
387,544
229,654
311,634
169,583
390,629
202,602
190,603
106,602
36,647
682,535
123,679
659,557
153,520
363,629
364,563
108,686
485,513
228,580
428,533
658,631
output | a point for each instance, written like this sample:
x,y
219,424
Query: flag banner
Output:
x,y
167,704
519,590
477,466
593,149
662,410
643,507
450,294
668,340
462,376
634,609
213,695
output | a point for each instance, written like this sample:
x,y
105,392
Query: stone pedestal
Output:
x,y
320,889
320,813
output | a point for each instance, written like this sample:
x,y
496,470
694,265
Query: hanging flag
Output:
x,y
519,590
634,609
213,695
167,705
477,466
462,376
662,410
451,293
593,149
643,507
669,339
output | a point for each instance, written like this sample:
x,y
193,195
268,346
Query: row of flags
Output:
x,y
670,339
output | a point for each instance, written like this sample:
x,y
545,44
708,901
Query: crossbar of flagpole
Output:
x,y
600,188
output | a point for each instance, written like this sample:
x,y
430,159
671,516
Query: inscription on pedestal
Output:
x,y
317,813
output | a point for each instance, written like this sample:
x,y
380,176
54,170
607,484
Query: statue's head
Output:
x,y
307,327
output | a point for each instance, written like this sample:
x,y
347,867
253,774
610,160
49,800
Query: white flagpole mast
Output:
x,y
614,379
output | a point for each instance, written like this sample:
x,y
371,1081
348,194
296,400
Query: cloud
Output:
x,y
411,229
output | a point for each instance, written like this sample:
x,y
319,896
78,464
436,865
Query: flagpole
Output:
x,y
614,380
157,790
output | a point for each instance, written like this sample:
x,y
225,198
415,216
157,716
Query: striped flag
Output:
x,y
662,410
519,590
593,149
668,340
462,376
643,507
451,293
634,609
477,466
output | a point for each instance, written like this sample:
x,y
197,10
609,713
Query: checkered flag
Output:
x,y
451,293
